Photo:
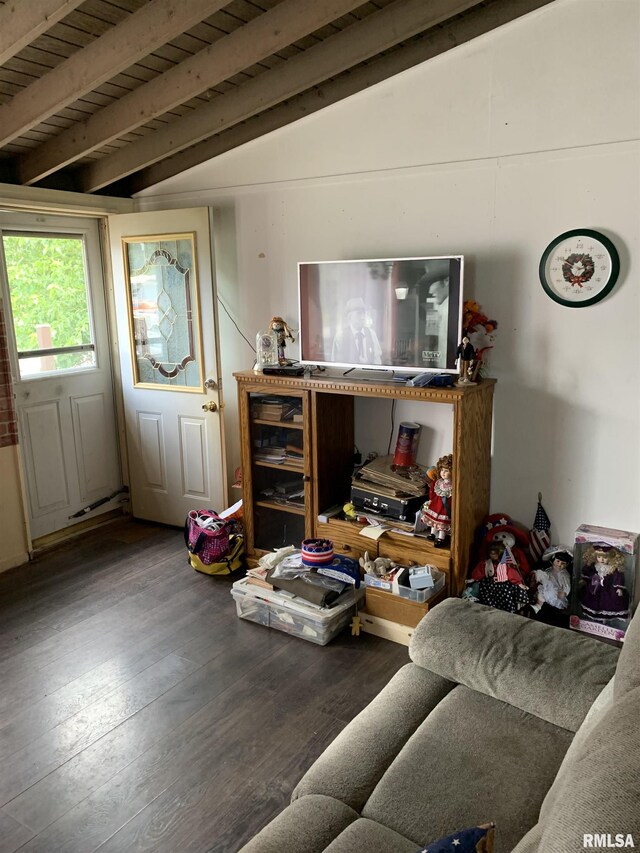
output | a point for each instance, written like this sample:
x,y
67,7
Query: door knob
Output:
x,y
210,406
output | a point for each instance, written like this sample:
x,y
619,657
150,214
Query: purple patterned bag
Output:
x,y
206,535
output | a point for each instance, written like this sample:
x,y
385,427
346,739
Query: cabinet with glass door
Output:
x,y
275,464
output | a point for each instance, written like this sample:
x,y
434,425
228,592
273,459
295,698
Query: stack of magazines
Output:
x,y
390,480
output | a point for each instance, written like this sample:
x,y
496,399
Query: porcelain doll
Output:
x,y
465,355
436,512
499,580
603,593
554,582
282,332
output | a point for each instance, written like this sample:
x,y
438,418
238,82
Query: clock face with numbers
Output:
x,y
579,268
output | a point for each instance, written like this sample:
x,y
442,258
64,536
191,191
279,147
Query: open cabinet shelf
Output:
x,y
325,439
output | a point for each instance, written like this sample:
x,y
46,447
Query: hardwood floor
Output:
x,y
138,713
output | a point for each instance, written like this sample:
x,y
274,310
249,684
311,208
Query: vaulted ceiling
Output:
x,y
113,96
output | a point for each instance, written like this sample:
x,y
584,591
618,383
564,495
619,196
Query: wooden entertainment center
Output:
x,y
318,433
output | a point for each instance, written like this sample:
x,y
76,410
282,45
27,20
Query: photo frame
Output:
x,y
161,284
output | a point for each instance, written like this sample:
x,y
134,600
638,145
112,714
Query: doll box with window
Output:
x,y
605,586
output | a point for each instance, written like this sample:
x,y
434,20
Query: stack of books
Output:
x,y
285,492
275,455
276,409
294,454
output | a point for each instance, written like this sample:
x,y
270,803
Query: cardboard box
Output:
x,y
605,586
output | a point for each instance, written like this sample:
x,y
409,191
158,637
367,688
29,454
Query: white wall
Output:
x,y
13,530
490,150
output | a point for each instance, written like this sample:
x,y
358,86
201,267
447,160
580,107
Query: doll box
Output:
x,y
603,601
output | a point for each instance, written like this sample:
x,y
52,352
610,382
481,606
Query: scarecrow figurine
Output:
x,y
282,332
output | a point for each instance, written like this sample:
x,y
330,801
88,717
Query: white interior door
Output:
x,y
164,293
51,273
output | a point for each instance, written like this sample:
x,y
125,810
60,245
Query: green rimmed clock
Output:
x,y
579,268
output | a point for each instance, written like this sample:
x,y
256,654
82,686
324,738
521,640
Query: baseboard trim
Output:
x,y
14,562
43,543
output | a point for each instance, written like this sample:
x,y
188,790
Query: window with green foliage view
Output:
x,y
49,302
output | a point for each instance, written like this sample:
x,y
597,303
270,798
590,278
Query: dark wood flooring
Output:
x,y
138,713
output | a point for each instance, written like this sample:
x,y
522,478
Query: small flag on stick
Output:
x,y
539,537
506,560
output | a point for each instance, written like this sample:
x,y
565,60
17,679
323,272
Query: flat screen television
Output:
x,y
402,314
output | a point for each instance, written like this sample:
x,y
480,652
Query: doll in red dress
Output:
x,y
436,512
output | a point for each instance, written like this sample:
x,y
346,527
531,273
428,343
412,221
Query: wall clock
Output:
x,y
579,268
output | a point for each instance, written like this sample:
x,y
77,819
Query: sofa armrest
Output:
x,y
353,764
308,825
550,672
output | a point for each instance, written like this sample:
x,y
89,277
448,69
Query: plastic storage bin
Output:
x,y
289,614
419,595
422,595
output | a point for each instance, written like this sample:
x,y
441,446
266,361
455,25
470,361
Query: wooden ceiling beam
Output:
x,y
256,40
152,25
21,23
476,23
355,44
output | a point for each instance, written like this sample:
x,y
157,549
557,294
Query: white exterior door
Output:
x,y
51,273
164,294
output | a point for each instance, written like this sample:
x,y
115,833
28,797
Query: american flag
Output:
x,y
539,538
507,559
465,841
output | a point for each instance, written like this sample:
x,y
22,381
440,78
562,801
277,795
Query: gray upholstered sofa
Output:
x,y
496,718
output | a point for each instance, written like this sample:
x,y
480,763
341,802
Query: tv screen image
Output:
x,y
396,313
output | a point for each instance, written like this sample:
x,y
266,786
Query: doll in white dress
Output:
x,y
554,582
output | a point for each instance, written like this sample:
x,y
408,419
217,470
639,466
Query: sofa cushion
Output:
x,y
474,759
598,788
306,826
367,836
351,766
628,672
530,843
552,673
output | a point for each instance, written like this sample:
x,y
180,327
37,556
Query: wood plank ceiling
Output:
x,y
112,96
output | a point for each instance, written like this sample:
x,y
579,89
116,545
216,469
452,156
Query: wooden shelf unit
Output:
x,y
328,445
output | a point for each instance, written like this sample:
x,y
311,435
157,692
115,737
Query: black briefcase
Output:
x,y
370,501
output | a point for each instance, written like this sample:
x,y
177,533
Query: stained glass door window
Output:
x,y
163,311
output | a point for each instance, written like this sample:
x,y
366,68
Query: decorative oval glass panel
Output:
x,y
163,311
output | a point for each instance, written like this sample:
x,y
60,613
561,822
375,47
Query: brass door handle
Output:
x,y
210,406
